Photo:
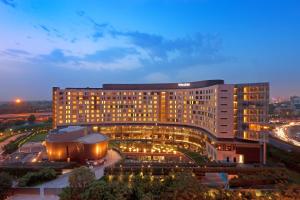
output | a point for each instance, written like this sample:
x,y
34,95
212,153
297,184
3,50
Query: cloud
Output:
x,y
45,28
98,28
16,52
195,48
57,56
10,3
97,35
160,51
108,59
50,31
105,47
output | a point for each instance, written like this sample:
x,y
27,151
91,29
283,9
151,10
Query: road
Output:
x,y
281,132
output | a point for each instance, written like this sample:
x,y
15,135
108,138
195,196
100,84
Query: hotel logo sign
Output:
x,y
184,84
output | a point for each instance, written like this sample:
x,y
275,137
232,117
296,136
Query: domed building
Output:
x,y
75,143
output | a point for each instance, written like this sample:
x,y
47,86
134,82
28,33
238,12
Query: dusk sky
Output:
x,y
72,43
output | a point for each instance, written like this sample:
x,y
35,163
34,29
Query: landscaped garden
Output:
x,y
196,156
261,178
35,133
131,149
83,186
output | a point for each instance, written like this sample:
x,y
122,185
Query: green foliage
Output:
x,y
31,119
17,171
9,124
13,146
32,127
34,178
65,194
79,181
39,133
10,147
290,159
40,136
21,169
130,187
267,177
174,186
5,185
196,156
102,190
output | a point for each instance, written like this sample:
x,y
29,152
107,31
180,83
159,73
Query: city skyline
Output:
x,y
56,43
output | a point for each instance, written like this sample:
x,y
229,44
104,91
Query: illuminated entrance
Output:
x,y
169,135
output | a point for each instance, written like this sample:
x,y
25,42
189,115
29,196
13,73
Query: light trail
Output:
x,y
281,133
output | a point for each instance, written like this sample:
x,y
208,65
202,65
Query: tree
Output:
x,y
185,186
5,185
65,194
104,190
50,120
34,178
31,119
79,181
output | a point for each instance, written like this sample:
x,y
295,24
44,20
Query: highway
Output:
x,y
280,138
281,132
281,144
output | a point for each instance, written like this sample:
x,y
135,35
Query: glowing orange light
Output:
x,y
18,101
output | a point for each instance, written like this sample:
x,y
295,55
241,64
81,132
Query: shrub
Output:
x,y
260,178
34,178
5,185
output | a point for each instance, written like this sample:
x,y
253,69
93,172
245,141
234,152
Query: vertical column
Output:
x,y
42,193
162,111
54,106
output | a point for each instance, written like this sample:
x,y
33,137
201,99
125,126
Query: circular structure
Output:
x,y
75,144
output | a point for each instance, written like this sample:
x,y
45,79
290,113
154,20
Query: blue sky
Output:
x,y
46,43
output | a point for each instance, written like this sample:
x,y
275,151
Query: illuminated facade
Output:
x,y
75,143
226,121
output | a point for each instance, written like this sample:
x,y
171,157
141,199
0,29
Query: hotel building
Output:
x,y
224,121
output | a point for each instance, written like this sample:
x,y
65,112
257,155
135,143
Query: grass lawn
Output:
x,y
39,137
197,157
113,144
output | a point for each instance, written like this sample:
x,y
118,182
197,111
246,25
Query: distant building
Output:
x,y
295,104
225,121
283,109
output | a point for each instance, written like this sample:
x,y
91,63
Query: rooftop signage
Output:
x,y
184,84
